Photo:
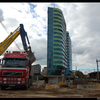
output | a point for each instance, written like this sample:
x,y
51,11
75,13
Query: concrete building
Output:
x,y
37,69
58,43
94,75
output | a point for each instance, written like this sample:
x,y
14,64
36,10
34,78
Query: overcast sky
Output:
x,y
83,24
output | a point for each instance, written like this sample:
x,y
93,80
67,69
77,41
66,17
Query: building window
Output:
x,y
57,18
58,61
57,11
57,25
60,37
57,22
57,45
58,15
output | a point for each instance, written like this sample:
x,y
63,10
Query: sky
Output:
x,y
82,21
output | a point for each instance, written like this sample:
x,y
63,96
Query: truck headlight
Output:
x,y
23,80
19,79
4,78
0,80
18,82
5,82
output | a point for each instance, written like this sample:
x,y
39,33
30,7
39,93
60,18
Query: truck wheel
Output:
x,y
29,83
3,88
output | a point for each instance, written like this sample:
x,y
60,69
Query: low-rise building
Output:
x,y
37,69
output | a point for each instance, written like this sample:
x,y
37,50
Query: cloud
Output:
x,y
83,25
40,49
82,21
11,22
1,15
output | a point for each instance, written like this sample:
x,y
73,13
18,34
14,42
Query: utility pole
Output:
x,y
97,69
76,68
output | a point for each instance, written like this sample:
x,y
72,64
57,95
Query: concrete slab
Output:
x,y
40,83
54,80
52,76
85,86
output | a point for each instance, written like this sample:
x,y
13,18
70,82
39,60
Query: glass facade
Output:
x,y
57,56
69,53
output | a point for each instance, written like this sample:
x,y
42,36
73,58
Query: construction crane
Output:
x,y
8,34
13,35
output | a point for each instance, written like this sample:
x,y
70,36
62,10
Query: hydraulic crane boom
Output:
x,y
13,35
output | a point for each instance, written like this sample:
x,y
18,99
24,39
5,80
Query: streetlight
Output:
x,y
97,69
76,68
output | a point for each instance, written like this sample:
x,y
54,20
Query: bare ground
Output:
x,y
52,90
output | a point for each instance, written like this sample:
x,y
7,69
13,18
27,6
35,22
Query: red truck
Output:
x,y
16,70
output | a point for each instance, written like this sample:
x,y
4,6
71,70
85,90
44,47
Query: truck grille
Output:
x,y
12,73
12,80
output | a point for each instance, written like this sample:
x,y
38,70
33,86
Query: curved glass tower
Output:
x,y
69,53
56,42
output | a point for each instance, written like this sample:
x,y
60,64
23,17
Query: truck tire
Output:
x,y
29,83
3,88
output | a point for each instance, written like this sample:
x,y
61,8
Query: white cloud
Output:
x,y
34,26
83,25
82,20
1,15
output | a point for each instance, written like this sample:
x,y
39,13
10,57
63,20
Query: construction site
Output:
x,y
48,86
53,91
19,77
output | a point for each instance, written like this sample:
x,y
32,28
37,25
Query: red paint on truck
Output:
x,y
16,70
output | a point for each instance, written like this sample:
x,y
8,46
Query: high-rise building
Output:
x,y
69,53
57,48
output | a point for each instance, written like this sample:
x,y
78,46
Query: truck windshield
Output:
x,y
9,62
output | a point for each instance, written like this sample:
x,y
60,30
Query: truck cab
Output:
x,y
16,70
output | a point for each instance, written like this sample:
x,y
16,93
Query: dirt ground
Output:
x,y
52,90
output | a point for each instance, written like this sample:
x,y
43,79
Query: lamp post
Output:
x,y
76,68
97,69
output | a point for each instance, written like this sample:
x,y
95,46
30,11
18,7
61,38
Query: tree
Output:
x,y
79,74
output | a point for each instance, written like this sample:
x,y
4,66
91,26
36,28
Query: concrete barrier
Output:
x,y
41,84
85,86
